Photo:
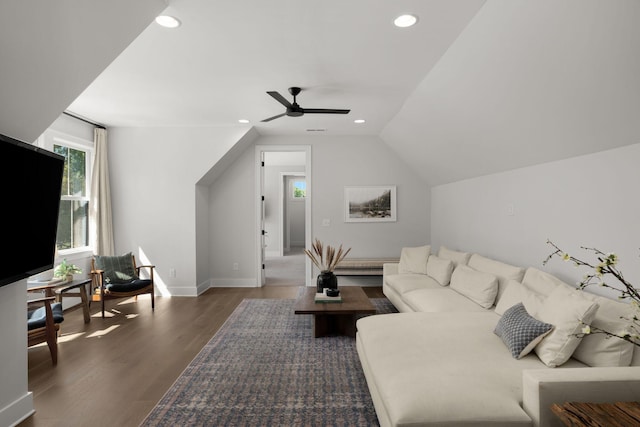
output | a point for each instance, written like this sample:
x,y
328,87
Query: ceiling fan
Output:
x,y
294,110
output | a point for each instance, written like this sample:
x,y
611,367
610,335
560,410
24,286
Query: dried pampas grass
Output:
x,y
325,257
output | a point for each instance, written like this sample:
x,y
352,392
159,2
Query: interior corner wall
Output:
x,y
336,162
590,200
16,402
153,173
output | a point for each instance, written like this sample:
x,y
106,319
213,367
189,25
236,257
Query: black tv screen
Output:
x,y
32,181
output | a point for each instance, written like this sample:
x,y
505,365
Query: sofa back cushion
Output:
x,y
479,287
504,272
599,349
568,310
414,260
440,269
455,256
542,282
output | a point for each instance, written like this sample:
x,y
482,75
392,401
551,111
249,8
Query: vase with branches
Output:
x,y
605,268
326,258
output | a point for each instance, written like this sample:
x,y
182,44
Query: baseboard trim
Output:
x,y
234,283
17,411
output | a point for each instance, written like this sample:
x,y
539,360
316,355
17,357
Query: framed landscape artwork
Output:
x,y
370,204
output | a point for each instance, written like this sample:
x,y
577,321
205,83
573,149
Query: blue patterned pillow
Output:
x,y
519,331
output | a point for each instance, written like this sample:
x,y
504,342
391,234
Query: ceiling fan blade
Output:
x,y
325,111
274,117
281,99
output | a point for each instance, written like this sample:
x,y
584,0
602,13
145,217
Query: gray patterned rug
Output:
x,y
264,368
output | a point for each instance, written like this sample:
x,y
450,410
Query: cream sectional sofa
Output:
x,y
439,362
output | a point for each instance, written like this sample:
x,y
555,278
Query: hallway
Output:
x,y
287,270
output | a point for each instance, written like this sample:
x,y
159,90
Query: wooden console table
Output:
x,y
619,414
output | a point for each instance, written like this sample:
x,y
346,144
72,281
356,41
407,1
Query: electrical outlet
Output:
x,y
511,211
236,266
326,222
172,272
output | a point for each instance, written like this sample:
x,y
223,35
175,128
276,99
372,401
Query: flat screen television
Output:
x,y
32,180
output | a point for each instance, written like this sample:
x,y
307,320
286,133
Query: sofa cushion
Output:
x,y
598,349
439,300
440,269
568,310
402,283
542,282
515,293
455,256
504,272
475,285
414,260
519,331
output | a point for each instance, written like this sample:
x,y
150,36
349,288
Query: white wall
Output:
x,y
336,162
590,200
154,172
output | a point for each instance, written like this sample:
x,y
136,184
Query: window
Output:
x,y
73,219
299,189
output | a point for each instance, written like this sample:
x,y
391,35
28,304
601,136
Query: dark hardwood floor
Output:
x,y
113,371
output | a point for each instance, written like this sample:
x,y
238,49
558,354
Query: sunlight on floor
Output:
x,y
69,337
98,334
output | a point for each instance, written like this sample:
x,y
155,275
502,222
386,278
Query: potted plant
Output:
x,y
66,271
326,259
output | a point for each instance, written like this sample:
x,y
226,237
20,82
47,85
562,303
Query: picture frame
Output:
x,y
370,203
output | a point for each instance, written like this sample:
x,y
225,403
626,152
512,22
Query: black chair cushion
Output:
x,y
117,269
133,285
37,318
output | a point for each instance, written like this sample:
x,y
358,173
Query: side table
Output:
x,y
618,414
62,290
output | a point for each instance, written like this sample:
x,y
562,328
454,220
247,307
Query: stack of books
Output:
x,y
322,297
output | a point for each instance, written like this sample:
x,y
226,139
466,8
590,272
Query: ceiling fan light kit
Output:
x,y
295,110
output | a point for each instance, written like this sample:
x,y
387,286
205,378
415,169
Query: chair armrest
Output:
x,y
543,387
145,266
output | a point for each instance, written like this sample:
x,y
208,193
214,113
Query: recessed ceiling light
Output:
x,y
359,121
404,21
243,121
168,21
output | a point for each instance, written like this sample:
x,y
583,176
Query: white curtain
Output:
x,y
101,223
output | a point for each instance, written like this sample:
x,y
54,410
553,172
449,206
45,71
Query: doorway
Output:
x,y
284,227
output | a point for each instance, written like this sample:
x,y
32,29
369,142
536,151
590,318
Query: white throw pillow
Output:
x,y
599,349
479,287
515,293
440,269
512,295
568,310
414,260
504,272
542,282
455,256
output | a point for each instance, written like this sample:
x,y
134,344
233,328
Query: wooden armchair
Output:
x,y
119,277
44,316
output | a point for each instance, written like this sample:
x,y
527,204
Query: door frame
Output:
x,y
259,153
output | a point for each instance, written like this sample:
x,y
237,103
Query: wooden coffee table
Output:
x,y
335,318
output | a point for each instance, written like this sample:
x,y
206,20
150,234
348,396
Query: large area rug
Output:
x,y
264,368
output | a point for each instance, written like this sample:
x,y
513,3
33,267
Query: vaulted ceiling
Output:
x,y
475,87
